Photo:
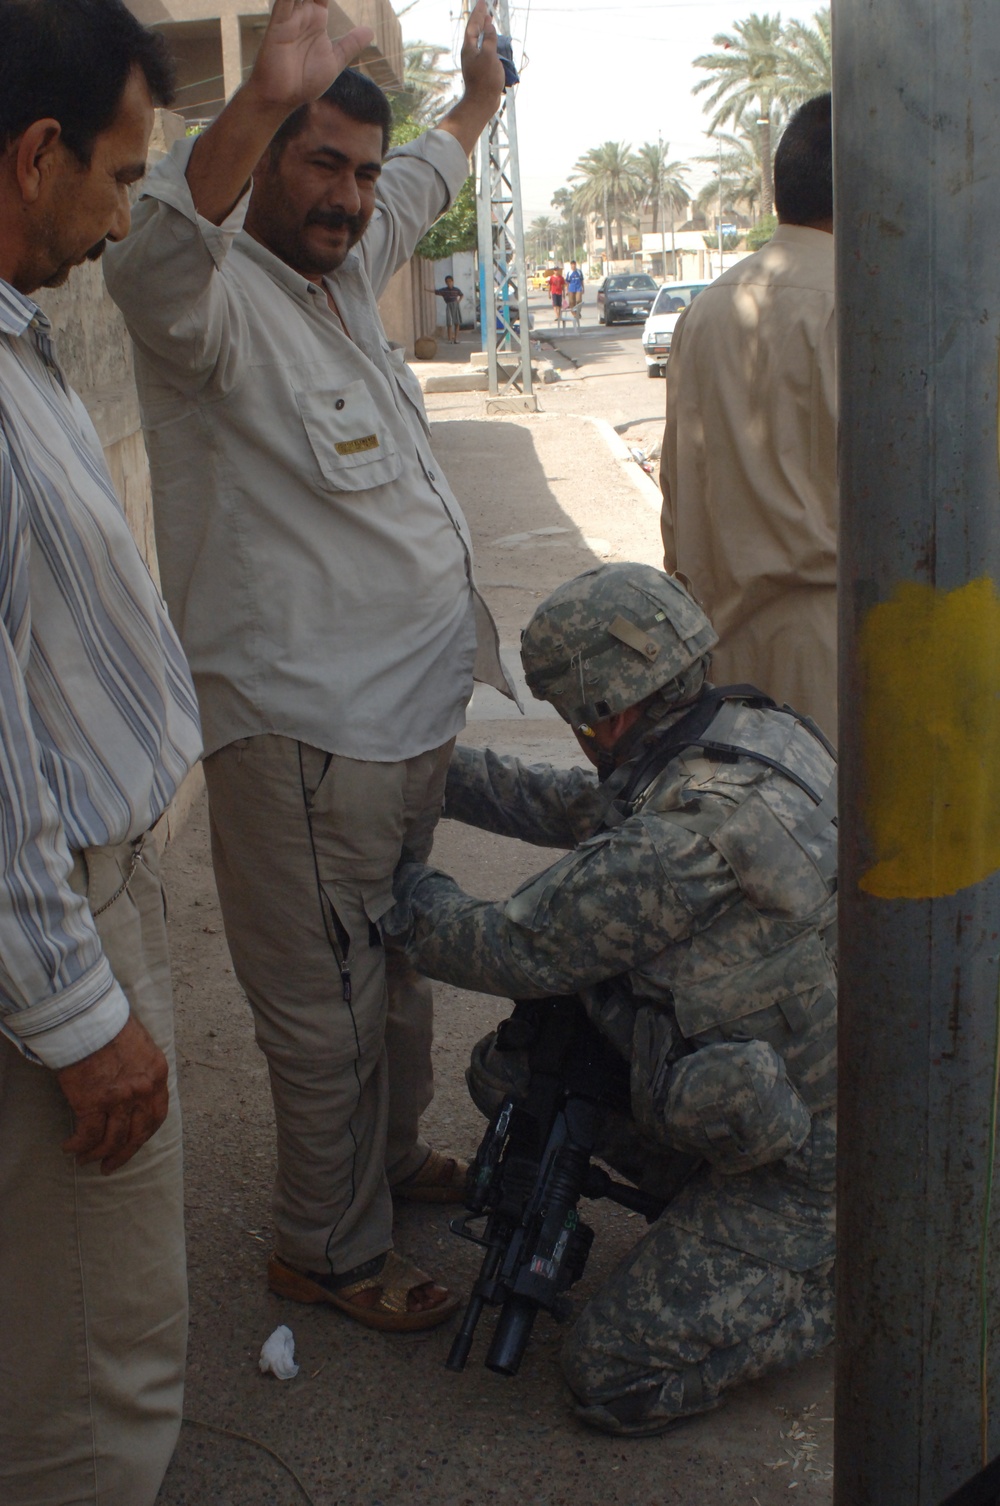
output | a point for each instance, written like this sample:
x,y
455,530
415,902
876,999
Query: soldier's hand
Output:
x,y
119,1098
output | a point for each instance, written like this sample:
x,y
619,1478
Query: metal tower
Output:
x,y
503,286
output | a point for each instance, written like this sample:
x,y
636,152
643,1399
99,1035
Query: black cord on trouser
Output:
x,y
340,943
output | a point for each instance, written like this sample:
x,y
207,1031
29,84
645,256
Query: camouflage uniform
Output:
x,y
698,931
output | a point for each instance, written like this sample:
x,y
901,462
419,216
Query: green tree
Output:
x,y
659,181
456,230
605,180
541,237
742,159
565,201
747,73
762,232
806,59
426,85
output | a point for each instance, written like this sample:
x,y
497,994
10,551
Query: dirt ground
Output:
x,y
375,1420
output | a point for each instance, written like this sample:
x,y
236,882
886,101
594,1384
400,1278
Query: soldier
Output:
x,y
695,918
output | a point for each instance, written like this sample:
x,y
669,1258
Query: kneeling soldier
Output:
x,y
695,917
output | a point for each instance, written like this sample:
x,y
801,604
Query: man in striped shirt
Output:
x,y
98,727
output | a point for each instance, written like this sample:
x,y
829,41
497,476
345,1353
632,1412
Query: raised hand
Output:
x,y
482,72
298,59
297,62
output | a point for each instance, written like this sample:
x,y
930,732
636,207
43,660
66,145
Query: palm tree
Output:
x,y
661,183
563,200
541,233
425,84
606,176
807,59
742,161
748,73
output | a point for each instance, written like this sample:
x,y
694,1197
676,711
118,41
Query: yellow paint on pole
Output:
x,y
931,666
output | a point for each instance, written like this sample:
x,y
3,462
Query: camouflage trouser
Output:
x,y
735,1279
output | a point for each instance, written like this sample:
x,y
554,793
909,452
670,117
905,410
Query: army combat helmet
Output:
x,y
609,638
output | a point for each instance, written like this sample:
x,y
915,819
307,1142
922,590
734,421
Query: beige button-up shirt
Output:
x,y
749,469
313,556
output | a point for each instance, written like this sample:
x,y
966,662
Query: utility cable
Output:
x,y
211,1427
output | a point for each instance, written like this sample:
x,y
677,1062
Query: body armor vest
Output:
x,y
759,785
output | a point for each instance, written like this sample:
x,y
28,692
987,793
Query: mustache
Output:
x,y
336,219
96,252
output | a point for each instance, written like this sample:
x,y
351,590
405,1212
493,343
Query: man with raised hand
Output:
x,y
319,570
98,726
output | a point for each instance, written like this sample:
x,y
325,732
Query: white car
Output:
x,y
658,331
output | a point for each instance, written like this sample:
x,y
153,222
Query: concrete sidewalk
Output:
x,y
375,1420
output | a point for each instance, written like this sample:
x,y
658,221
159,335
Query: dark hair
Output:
x,y
70,60
803,165
354,93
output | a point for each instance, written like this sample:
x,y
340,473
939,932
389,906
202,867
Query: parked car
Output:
x,y
671,301
625,296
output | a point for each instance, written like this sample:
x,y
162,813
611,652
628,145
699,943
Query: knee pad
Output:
x,y
494,1075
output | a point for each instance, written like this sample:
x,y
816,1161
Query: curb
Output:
x,y
644,485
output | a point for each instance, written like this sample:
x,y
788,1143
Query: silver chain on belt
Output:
x,y
123,887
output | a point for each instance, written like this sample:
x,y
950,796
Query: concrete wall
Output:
x,y
407,305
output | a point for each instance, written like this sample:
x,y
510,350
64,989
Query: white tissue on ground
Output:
x,y
277,1354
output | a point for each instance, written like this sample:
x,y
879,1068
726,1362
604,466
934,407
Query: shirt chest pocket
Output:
x,y
352,446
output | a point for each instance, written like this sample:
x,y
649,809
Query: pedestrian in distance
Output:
x,y
557,289
574,293
452,303
99,726
325,589
693,915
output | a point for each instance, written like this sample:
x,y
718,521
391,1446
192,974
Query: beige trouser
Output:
x,y
93,1292
304,845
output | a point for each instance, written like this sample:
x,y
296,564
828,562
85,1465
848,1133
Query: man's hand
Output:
x,y
118,1096
482,72
298,60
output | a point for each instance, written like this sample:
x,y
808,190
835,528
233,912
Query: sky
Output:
x,y
598,71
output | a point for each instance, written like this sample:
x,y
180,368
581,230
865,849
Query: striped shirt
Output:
x,y
98,718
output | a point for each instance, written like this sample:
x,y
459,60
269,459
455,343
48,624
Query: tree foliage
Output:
x,y
762,232
746,74
456,230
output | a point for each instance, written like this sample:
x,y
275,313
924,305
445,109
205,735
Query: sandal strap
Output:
x,y
397,1279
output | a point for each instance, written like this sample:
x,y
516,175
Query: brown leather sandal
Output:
x,y
441,1179
391,1275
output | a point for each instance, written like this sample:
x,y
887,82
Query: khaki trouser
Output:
x,y
93,1292
304,845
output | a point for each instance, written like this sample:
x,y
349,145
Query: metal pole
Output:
x,y
663,228
917,153
720,206
501,250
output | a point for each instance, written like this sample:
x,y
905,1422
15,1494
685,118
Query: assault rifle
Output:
x,y
532,1168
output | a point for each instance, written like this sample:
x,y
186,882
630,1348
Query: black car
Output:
x,y
624,297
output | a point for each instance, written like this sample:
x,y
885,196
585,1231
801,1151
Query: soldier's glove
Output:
x,y
397,925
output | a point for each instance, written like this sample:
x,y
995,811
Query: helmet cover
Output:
x,y
609,638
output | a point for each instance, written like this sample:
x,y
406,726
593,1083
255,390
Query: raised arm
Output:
x,y
483,76
297,62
